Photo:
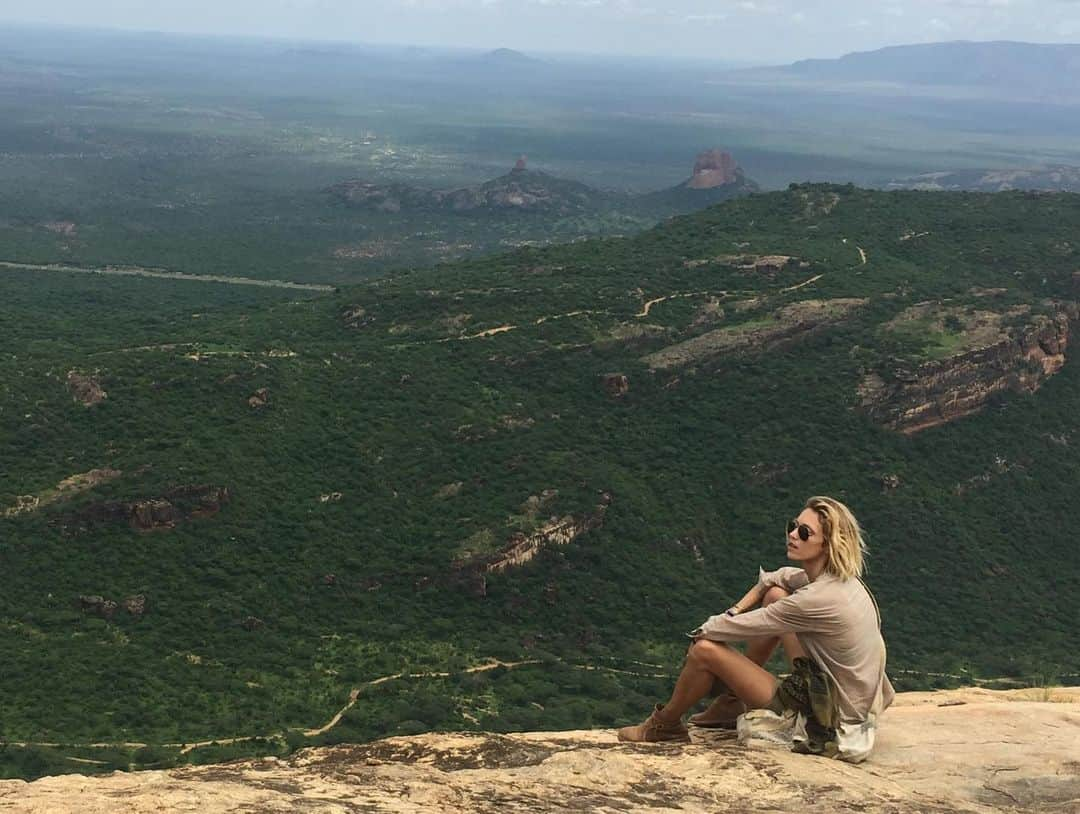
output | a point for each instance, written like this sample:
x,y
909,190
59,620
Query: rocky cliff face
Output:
x,y
1019,358
962,751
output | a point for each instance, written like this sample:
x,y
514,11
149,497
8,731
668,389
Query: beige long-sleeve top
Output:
x,y
835,621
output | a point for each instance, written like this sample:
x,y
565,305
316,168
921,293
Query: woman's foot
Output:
x,y
655,729
722,713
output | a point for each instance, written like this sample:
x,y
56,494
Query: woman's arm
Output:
x,y
803,612
788,578
751,599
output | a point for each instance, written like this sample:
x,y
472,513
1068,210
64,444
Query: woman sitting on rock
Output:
x,y
829,626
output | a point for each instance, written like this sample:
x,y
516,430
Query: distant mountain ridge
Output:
x,y
1038,70
508,56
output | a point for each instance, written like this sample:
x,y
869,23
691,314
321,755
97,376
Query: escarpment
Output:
x,y
992,356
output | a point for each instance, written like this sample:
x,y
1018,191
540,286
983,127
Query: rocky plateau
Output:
x,y
968,750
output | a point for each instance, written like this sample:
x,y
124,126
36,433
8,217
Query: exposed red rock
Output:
x,y
713,168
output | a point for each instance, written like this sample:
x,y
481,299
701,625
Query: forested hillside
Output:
x,y
223,513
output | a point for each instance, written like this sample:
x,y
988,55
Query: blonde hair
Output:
x,y
843,537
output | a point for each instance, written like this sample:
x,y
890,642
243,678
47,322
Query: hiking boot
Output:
x,y
722,713
655,730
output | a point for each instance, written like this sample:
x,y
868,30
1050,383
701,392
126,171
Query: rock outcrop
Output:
x,y
998,357
969,751
615,385
714,168
520,548
64,490
259,399
85,388
106,608
355,316
769,265
152,513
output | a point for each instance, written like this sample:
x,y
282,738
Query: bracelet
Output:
x,y
734,610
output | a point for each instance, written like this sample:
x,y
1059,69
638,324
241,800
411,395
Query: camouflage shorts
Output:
x,y
810,691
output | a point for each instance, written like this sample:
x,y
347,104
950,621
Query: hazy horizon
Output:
x,y
743,31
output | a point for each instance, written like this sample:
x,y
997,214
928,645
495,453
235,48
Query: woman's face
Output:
x,y
813,547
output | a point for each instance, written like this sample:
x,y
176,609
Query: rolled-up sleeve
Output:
x,y
788,578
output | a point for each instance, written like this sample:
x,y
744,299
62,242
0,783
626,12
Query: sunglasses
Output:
x,y
805,532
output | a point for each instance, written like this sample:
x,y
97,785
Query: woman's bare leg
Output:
x,y
706,661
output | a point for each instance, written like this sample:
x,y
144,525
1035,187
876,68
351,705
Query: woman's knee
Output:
x,y
703,650
773,594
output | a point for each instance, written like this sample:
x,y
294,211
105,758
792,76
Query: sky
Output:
x,y
760,31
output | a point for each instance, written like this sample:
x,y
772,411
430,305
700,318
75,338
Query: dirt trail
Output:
x,y
796,287
644,312
862,254
163,274
501,329
542,320
355,692
489,332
